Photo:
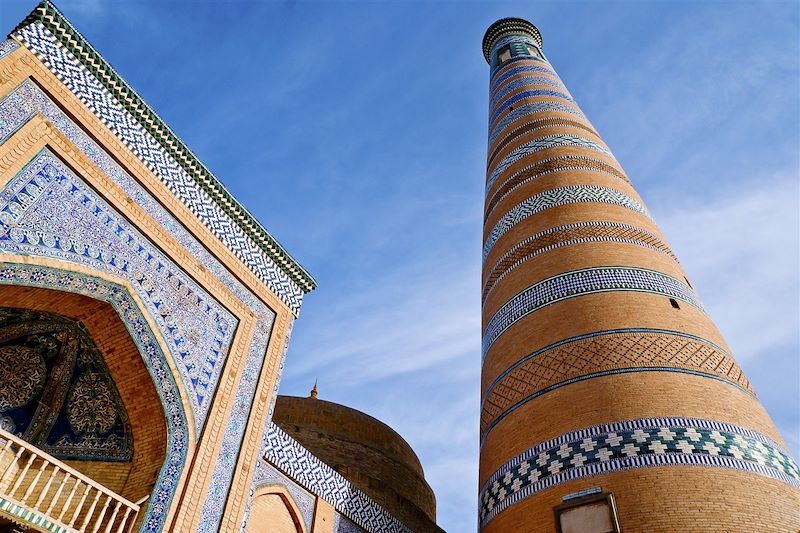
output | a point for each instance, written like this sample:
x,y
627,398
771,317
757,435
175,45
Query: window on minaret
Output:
x,y
504,54
534,51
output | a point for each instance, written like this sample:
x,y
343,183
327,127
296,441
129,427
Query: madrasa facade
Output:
x,y
145,317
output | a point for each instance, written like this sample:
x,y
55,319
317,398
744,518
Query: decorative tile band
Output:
x,y
517,70
568,235
555,197
528,81
556,140
534,125
342,525
510,39
533,93
599,354
29,516
117,118
7,46
531,109
580,283
645,443
267,475
309,472
547,166
63,34
46,210
155,360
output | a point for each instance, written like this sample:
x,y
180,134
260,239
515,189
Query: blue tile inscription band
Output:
x,y
579,283
555,197
642,443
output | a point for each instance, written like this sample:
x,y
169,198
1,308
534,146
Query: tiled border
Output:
x,y
642,443
580,283
155,360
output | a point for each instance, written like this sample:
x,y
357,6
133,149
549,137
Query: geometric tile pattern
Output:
x,y
543,143
530,109
643,443
534,125
502,41
309,472
267,475
517,70
524,82
7,46
24,514
579,283
29,97
569,235
342,525
600,354
137,325
46,210
147,148
528,94
570,194
543,167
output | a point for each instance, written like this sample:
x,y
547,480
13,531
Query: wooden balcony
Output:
x,y
41,493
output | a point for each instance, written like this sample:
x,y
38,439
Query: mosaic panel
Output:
x,y
302,466
7,46
556,140
583,282
531,109
155,360
100,101
55,389
265,475
600,354
548,166
47,211
534,125
527,81
555,197
568,235
643,443
533,93
342,525
30,97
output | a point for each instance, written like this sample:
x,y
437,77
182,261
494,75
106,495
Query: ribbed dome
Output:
x,y
370,454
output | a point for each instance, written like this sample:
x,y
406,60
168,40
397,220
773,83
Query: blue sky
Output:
x,y
356,132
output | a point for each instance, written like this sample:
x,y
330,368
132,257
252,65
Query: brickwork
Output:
x,y
590,321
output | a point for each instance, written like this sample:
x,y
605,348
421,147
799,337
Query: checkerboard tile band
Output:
x,y
643,443
583,282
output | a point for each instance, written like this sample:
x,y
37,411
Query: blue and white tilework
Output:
x,y
516,70
644,443
302,466
7,46
530,109
580,283
342,525
98,99
48,211
30,98
267,475
554,197
524,82
533,93
543,143
155,360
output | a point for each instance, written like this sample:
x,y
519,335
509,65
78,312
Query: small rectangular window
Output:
x,y
596,513
505,54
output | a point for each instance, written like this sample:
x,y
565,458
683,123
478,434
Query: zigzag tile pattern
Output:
x,y
547,166
535,125
527,81
569,235
555,140
599,354
302,466
533,93
518,70
556,197
531,109
580,283
98,99
643,443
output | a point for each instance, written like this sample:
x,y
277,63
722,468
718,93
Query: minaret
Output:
x,y
608,395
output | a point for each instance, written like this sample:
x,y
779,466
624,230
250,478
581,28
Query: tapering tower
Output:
x,y
609,399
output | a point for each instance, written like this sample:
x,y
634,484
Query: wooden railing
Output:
x,y
38,482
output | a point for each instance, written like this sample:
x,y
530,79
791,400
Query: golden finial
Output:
x,y
314,390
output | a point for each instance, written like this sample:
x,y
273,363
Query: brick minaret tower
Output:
x,y
608,395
